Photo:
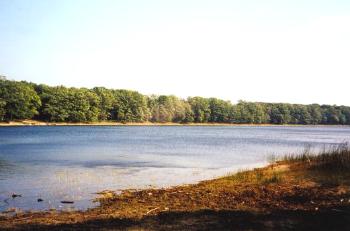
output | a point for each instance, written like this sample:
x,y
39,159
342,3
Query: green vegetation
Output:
x,y
23,100
336,158
18,100
257,176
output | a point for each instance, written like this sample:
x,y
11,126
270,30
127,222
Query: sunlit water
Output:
x,y
73,163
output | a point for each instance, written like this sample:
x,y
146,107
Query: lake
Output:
x,y
74,162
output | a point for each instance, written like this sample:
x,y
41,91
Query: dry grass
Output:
x,y
258,176
334,158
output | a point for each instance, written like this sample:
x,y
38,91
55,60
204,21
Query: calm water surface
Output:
x,y
73,163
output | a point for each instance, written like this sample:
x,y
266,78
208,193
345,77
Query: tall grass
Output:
x,y
257,176
335,157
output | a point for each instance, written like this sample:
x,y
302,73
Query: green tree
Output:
x,y
129,106
83,105
169,109
22,100
55,103
107,101
315,114
279,113
2,109
346,114
300,114
200,108
331,115
19,100
247,112
219,110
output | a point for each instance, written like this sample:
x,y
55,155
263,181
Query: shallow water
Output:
x,y
73,163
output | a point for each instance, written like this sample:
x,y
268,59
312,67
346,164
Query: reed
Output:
x,y
333,158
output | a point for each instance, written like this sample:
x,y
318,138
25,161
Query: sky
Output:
x,y
295,51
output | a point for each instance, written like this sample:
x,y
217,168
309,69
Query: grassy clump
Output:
x,y
257,176
334,158
274,178
332,163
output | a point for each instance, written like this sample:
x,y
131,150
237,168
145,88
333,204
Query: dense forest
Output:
x,y
23,100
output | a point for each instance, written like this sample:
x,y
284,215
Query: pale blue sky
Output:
x,y
276,51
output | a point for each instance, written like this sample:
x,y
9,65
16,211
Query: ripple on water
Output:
x,y
73,163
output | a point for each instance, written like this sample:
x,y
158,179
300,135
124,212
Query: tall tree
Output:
x,y
315,113
22,100
18,99
2,109
219,110
279,113
129,106
106,102
200,108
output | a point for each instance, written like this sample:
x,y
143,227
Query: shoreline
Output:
x,y
111,123
209,175
276,197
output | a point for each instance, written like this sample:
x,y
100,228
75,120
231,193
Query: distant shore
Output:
x,y
113,123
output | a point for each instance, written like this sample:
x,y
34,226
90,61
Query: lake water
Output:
x,y
73,163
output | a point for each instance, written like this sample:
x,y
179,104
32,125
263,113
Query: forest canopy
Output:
x,y
21,100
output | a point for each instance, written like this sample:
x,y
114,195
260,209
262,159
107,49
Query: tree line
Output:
x,y
21,100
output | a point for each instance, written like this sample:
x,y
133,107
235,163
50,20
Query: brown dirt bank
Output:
x,y
282,196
